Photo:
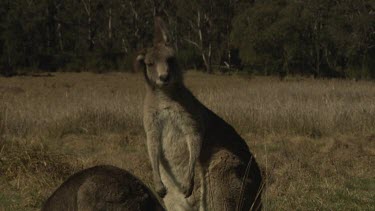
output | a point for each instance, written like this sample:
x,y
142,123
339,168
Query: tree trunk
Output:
x,y
207,62
206,57
363,64
110,24
91,43
209,66
87,7
134,43
58,26
59,34
317,40
317,61
9,57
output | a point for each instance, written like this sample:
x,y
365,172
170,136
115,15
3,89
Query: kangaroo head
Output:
x,y
159,62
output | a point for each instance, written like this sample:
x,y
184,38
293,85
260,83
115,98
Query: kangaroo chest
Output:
x,y
176,126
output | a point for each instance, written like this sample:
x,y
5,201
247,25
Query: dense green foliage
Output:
x,y
329,38
319,37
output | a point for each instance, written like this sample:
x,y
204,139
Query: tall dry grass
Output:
x,y
67,103
313,138
91,103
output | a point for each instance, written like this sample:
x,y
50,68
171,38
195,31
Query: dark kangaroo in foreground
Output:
x,y
102,188
199,161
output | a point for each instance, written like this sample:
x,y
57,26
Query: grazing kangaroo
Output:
x,y
102,188
199,161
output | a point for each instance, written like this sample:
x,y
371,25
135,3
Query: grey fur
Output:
x,y
102,188
199,161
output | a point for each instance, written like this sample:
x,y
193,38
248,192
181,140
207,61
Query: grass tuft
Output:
x,y
28,169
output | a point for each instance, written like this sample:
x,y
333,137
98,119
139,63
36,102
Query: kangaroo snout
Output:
x,y
164,77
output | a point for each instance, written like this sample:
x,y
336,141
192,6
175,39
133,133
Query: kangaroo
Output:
x,y
199,162
102,188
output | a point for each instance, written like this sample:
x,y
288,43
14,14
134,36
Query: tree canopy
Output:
x,y
324,38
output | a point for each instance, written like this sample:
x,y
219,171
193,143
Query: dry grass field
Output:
x,y
314,139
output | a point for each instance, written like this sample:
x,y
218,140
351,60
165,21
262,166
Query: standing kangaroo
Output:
x,y
199,161
102,188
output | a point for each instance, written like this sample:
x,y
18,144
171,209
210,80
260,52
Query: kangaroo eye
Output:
x,y
171,61
150,64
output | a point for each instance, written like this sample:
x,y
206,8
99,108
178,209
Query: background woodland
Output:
x,y
323,38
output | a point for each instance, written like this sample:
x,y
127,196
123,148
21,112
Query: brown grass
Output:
x,y
314,139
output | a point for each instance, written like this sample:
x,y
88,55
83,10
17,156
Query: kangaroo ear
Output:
x,y
161,34
139,62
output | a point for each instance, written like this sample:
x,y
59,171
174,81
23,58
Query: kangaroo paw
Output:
x,y
161,190
188,189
